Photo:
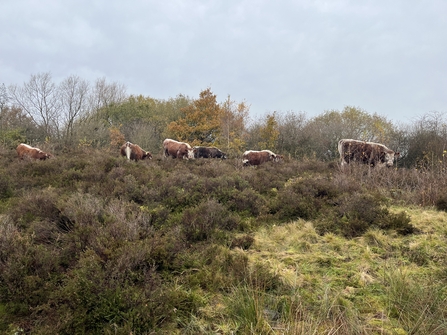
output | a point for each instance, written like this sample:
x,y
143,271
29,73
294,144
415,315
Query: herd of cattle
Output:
x,y
370,153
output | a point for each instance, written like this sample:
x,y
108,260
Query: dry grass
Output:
x,y
352,277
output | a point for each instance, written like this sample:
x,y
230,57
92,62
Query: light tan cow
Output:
x,y
27,151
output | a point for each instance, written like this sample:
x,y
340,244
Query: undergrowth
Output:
x,y
92,243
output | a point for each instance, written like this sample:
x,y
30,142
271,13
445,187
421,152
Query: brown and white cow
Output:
x,y
27,151
252,157
134,152
177,149
373,154
208,152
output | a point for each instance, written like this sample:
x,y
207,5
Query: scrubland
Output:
x,y
93,244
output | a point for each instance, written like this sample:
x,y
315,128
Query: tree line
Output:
x,y
76,113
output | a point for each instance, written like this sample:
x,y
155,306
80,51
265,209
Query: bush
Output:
x,y
201,222
353,215
247,201
6,187
36,205
291,206
441,202
399,222
304,198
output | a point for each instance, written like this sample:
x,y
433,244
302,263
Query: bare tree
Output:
x,y
104,94
427,142
92,125
74,93
39,100
291,126
4,97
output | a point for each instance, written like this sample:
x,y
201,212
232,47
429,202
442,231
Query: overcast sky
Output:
x,y
385,57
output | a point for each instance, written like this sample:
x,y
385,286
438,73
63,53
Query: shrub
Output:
x,y
265,177
358,212
399,222
291,206
441,202
82,209
36,204
304,198
353,215
213,267
247,201
201,222
6,186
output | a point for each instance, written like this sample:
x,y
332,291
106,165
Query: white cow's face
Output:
x,y
389,159
191,153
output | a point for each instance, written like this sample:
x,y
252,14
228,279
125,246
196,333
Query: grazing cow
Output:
x,y
209,152
252,157
176,149
373,154
26,151
134,152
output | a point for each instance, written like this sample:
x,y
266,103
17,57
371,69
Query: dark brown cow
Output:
x,y
208,152
134,152
27,151
177,149
373,154
252,157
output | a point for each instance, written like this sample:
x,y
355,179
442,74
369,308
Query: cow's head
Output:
x,y
146,155
272,156
390,156
43,155
279,158
390,159
191,153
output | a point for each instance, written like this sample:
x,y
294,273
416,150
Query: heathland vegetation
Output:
x,y
93,244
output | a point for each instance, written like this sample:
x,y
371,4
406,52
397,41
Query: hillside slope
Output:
x,y
91,243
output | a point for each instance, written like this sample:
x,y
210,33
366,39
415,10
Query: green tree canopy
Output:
x,y
142,120
324,131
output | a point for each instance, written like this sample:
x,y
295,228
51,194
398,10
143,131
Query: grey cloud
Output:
x,y
385,57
